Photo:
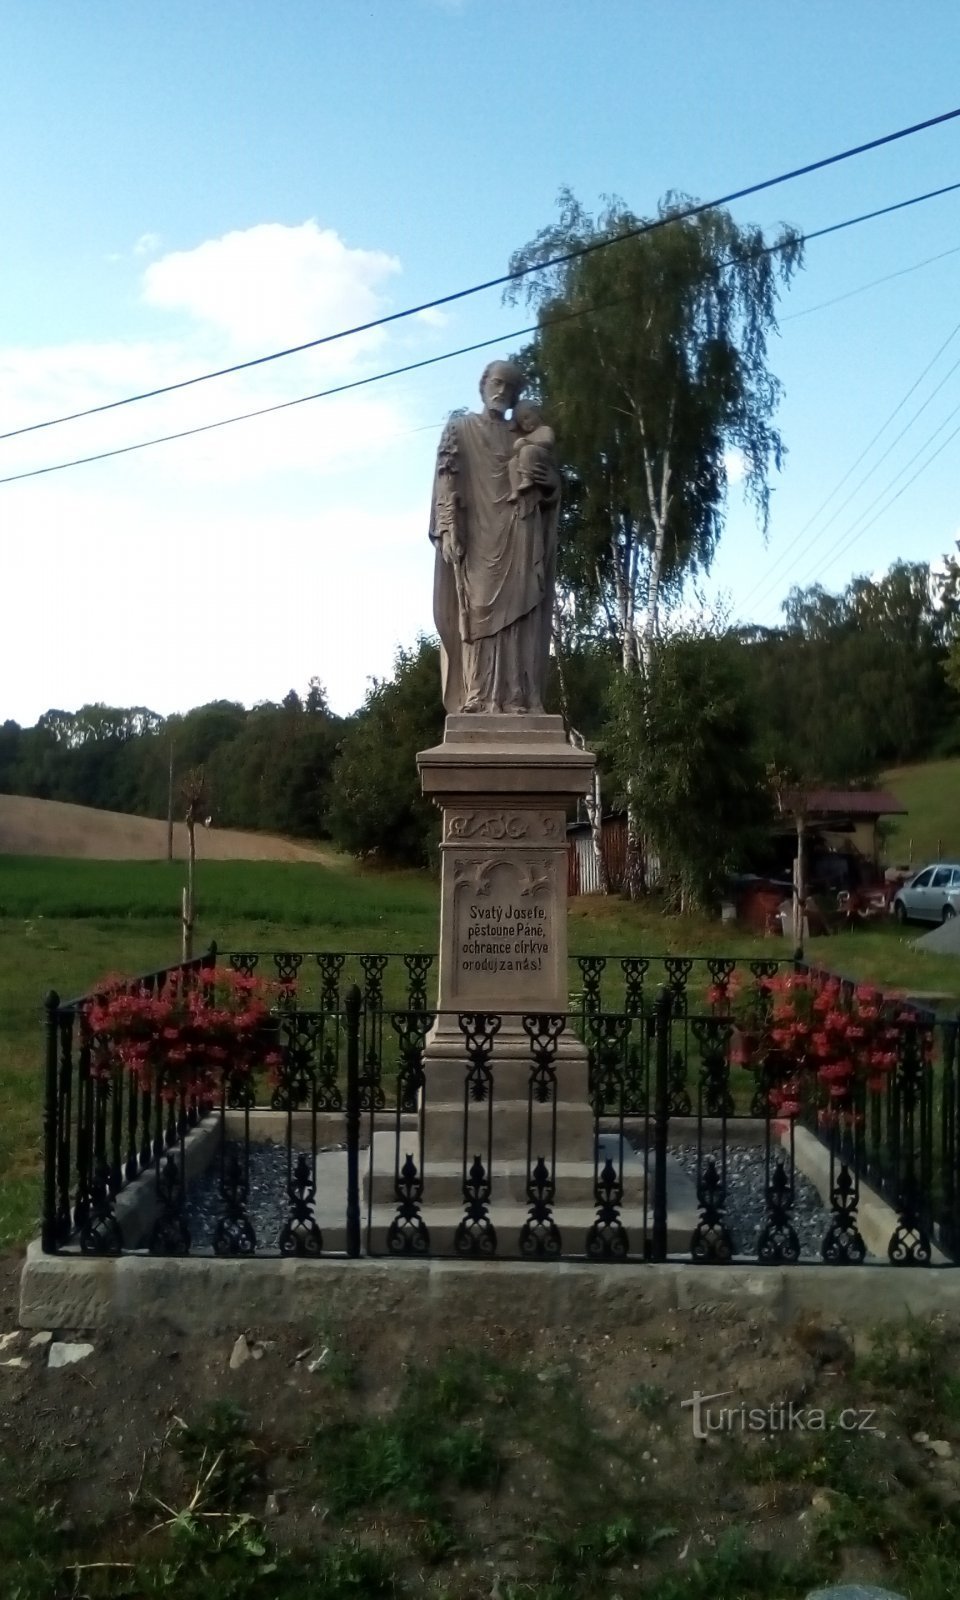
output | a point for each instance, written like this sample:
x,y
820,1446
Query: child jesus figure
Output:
x,y
534,448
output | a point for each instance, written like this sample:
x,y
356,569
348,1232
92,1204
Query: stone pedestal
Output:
x,y
504,784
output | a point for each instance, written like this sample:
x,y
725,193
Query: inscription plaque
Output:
x,y
504,930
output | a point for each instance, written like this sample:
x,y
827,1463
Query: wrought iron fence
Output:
x,y
346,1122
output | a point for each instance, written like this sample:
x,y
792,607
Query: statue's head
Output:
x,y
501,384
527,416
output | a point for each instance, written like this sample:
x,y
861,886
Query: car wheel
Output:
x,y
948,913
899,912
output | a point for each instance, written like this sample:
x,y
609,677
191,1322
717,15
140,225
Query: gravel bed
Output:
x,y
268,1205
745,1212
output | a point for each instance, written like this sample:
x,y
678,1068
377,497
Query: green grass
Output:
x,y
931,793
292,893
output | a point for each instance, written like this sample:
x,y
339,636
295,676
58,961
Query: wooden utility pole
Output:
x,y
195,797
170,804
791,796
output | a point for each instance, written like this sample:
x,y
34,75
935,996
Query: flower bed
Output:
x,y
819,1043
189,1038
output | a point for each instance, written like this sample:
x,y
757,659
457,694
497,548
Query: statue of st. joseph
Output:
x,y
496,555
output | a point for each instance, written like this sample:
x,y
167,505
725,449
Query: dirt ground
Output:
x,y
54,828
598,1466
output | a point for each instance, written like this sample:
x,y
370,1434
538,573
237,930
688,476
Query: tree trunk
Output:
x,y
594,808
800,891
592,802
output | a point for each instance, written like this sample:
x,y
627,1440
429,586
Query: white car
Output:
x,y
932,896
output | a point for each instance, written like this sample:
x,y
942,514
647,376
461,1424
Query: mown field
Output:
x,y
931,793
65,924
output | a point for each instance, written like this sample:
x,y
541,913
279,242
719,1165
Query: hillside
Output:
x,y
53,828
931,793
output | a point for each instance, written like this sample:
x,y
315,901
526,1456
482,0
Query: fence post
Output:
x,y
352,1006
48,1232
663,1010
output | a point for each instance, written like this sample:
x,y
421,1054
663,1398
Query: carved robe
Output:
x,y
493,608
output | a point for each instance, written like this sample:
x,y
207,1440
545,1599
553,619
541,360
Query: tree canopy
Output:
x,y
651,357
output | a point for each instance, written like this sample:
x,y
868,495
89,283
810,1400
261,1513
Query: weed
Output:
x,y
228,1464
437,1439
912,1364
604,1544
648,1398
27,1545
737,1572
835,1458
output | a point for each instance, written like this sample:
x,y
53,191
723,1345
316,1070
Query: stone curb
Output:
x,y
205,1293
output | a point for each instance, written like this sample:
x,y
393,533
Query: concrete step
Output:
x,y
442,1223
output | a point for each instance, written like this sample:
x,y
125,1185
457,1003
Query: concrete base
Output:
x,y
71,1292
74,1293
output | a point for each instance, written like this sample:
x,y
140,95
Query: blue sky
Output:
x,y
192,183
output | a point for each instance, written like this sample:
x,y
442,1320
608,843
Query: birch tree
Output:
x,y
651,358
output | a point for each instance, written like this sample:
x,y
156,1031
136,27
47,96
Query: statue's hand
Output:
x,y
544,475
452,549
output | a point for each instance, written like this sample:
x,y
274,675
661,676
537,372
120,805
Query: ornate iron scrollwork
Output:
x,y
591,970
331,967
636,1075
479,1029
300,1034
234,1235
476,1234
910,1244
678,970
245,961
607,1238
634,969
843,1244
765,968
608,1033
543,1030
678,1100
408,1234
540,1235
288,964
100,1234
721,970
170,1235
300,1234
373,970
372,1097
712,1239
412,1028
417,967
777,1243
713,1035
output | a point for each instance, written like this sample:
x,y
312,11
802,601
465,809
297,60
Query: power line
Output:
x,y
504,278
854,532
773,578
263,411
412,366
874,283
843,548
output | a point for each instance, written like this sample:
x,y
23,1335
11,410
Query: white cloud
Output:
x,y
147,244
434,317
273,285
150,609
275,548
